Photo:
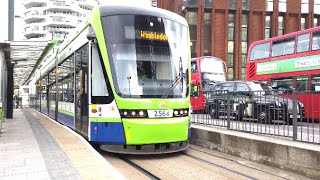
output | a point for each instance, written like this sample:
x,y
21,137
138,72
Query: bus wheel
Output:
x,y
262,115
213,111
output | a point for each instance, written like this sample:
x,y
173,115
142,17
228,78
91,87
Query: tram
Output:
x,y
122,80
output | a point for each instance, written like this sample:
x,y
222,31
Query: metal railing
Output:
x,y
294,115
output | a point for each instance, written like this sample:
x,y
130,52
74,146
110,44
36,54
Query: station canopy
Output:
x,y
25,55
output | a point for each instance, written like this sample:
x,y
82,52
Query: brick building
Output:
x,y
225,28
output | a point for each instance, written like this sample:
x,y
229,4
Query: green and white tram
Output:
x,y
123,81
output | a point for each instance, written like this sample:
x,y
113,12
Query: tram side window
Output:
x,y
302,83
283,47
316,40
65,76
315,83
303,43
282,85
99,87
260,51
52,90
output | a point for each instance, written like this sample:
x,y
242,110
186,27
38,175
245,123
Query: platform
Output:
x,y
32,146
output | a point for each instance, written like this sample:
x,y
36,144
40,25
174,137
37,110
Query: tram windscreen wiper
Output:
x,y
174,84
178,79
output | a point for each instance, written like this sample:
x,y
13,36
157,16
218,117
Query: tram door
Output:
x,y
81,90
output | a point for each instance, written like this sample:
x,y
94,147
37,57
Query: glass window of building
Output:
x,y
282,5
230,27
230,45
244,36
207,34
280,25
316,6
191,17
245,4
303,23
232,4
267,28
208,4
315,22
191,3
305,6
244,43
230,60
269,5
243,73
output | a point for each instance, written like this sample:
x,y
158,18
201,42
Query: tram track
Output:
x,y
219,166
235,161
139,168
192,163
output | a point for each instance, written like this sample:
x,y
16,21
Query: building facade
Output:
x,y
225,28
53,19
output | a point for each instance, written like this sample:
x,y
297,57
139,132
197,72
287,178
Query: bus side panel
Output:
x,y
311,105
198,103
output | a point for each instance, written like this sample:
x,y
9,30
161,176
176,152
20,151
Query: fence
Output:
x,y
294,115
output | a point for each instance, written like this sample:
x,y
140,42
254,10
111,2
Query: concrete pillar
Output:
x,y
10,82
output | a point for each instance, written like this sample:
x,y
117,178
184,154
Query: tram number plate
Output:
x,y
159,113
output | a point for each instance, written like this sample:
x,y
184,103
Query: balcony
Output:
x,y
90,4
32,3
59,6
34,31
34,14
61,22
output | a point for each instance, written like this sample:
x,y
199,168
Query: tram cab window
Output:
x,y
315,83
282,85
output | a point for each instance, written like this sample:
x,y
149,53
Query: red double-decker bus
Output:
x,y
290,61
206,71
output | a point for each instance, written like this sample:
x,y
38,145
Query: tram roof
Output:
x,y
120,9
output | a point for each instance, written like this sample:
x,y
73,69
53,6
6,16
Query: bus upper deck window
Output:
x,y
316,40
260,51
303,43
283,47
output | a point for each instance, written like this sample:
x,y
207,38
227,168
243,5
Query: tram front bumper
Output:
x,y
159,130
